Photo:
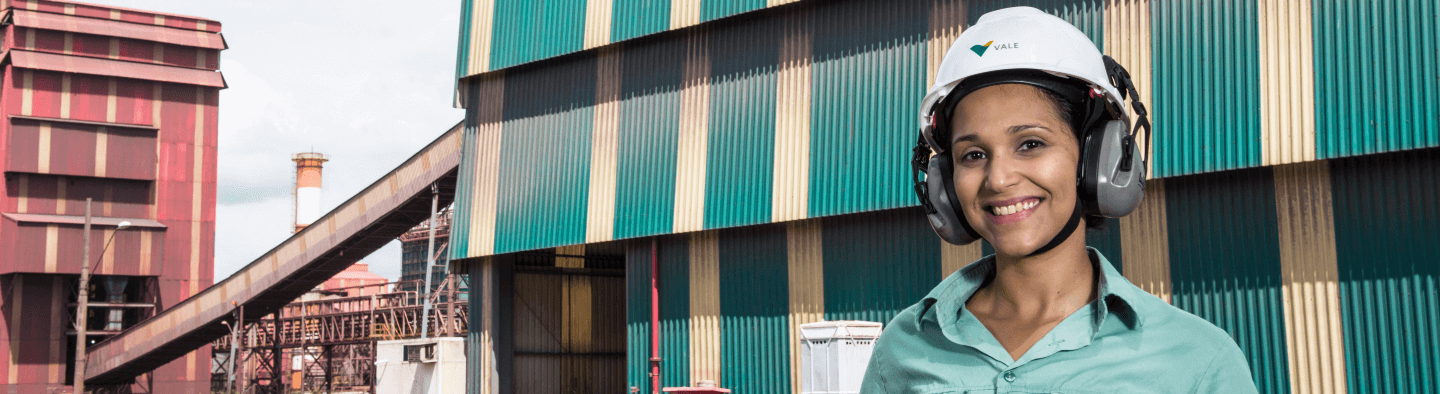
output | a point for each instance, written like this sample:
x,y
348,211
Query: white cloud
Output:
x,y
365,82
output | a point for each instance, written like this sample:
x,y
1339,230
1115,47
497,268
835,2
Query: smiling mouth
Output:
x,y
1012,209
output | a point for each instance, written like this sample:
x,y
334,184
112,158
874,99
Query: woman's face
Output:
x,y
1015,166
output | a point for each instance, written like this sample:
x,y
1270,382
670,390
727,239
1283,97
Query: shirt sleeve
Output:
x,y
874,381
1228,372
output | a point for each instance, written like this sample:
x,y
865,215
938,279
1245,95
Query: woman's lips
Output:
x,y
1014,212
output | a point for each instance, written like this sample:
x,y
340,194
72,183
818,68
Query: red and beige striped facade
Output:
x,y
119,106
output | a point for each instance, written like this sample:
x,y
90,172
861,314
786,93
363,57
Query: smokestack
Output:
x,y
307,188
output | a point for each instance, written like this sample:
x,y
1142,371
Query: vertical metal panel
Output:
x,y
544,157
704,253
483,350
1127,40
675,311
604,155
1225,261
529,30
481,36
791,188
947,19
754,310
684,13
868,70
649,138
1386,218
716,9
485,131
634,18
1374,68
694,139
742,123
805,255
1287,88
1107,240
878,263
637,312
598,18
1206,86
1145,242
1310,275
954,257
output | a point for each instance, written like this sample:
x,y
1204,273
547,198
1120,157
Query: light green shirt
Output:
x,y
1126,341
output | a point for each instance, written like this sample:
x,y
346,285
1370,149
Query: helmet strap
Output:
x,y
1064,234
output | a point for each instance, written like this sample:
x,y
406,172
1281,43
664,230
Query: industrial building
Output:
x,y
415,250
119,107
726,170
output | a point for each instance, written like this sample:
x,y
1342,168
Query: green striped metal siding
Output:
x,y
459,245
648,133
544,166
877,263
867,73
716,9
1225,262
462,44
1375,63
637,315
674,312
529,30
1087,15
634,18
741,157
754,310
1207,93
1386,226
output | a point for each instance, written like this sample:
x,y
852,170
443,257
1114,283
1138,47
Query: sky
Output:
x,y
366,83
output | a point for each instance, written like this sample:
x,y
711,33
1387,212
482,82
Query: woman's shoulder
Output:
x,y
1163,319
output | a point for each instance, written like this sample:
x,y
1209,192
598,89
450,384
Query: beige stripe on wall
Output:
x,y
684,13
112,96
1145,242
947,20
694,137
197,191
156,103
1287,75
563,256
1309,278
114,49
22,202
605,150
61,194
1127,39
791,184
597,22
805,257
488,132
146,238
107,257
65,81
954,257
52,247
481,21
705,307
102,150
43,163
27,86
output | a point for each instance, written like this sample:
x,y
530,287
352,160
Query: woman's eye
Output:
x,y
1031,144
972,156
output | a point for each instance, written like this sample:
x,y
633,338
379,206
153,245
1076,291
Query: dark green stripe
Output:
x,y
1225,263
754,310
741,155
878,263
648,140
634,18
530,30
637,313
716,9
675,311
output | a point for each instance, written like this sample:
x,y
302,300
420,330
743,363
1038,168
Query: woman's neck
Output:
x,y
1047,286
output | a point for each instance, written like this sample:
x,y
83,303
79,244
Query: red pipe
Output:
x,y
654,316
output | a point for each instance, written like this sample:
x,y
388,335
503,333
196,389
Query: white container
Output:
x,y
833,355
420,366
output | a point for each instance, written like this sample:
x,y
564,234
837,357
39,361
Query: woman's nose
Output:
x,y
1000,173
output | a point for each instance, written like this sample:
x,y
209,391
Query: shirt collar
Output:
x,y
1118,295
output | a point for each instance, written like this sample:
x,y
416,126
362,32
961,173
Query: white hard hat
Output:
x,y
1021,38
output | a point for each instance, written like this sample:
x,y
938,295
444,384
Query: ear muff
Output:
x,y
1112,172
946,219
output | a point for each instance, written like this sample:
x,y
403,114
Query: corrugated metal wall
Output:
x,y
743,66
1386,226
877,263
648,144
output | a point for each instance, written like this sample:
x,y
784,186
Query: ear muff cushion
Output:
x,y
1109,189
947,221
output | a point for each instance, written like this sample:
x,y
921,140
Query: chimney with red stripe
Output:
x,y
307,188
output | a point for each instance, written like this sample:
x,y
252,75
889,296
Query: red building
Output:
x,y
119,106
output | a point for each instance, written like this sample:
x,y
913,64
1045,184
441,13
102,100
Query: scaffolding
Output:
x,y
327,345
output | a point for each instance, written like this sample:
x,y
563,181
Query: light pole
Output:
x,y
82,303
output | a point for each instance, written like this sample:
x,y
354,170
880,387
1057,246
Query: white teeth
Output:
x,y
1012,209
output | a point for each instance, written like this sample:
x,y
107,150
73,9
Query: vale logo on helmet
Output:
x,y
980,49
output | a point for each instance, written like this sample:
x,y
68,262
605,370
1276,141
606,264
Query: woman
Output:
x,y
1024,135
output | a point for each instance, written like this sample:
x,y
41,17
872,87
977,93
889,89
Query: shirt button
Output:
x,y
1009,376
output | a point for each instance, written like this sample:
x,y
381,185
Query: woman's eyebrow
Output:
x,y
1011,130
